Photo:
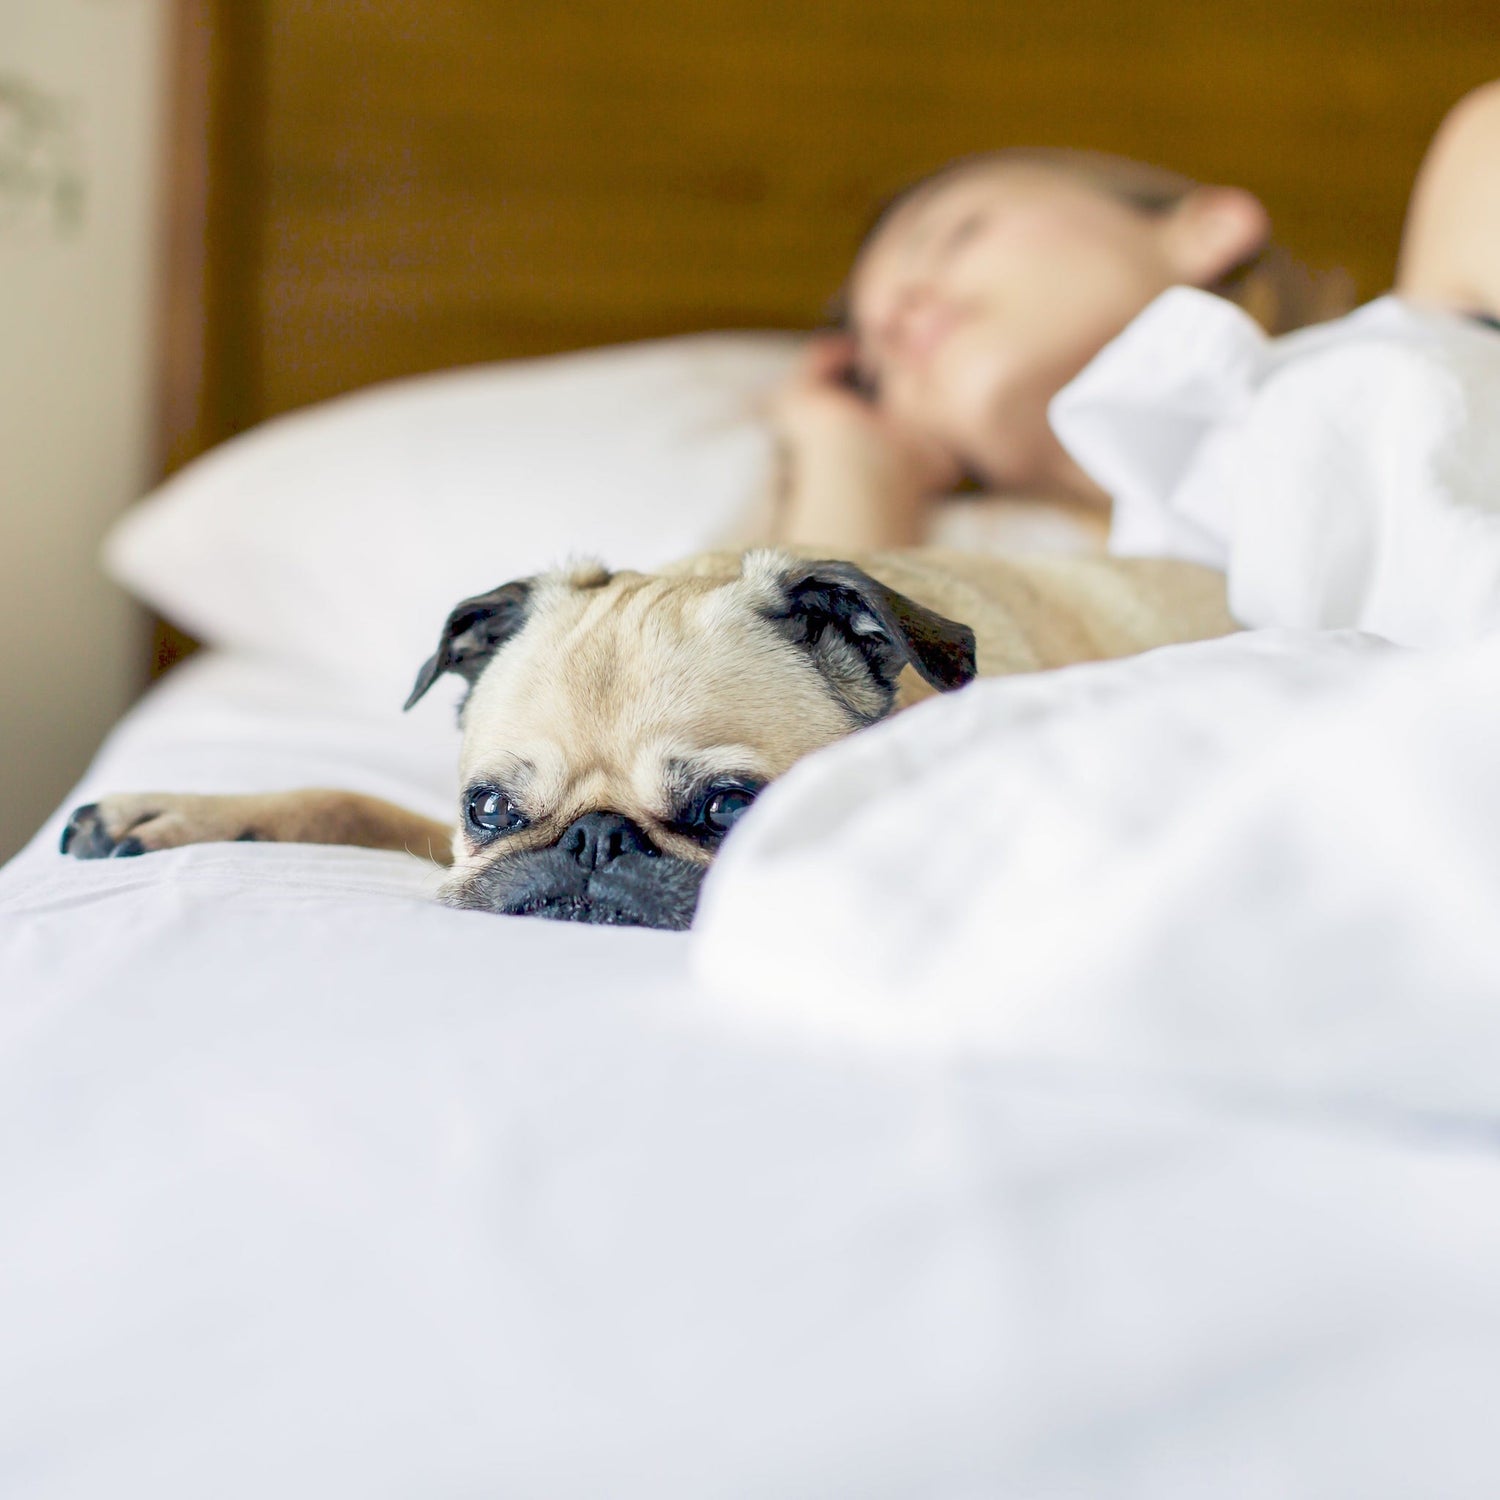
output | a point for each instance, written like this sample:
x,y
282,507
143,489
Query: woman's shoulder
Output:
x,y
1450,250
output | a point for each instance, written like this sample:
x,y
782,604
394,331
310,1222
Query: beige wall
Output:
x,y
75,317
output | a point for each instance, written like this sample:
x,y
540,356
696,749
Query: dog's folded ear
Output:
x,y
850,619
475,630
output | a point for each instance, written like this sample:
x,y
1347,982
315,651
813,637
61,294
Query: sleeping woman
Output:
x,y
984,289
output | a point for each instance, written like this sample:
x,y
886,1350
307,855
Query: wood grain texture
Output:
x,y
213,207
421,183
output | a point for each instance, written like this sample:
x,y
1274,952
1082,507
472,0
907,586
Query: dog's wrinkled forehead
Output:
x,y
771,655
607,664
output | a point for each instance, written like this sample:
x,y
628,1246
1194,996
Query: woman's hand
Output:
x,y
854,478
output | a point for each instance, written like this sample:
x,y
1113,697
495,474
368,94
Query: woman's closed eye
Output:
x,y
963,229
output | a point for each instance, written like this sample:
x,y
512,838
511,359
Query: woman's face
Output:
x,y
986,292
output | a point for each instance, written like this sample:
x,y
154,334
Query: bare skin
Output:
x,y
977,301
1450,250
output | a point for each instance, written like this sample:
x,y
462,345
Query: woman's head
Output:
x,y
984,289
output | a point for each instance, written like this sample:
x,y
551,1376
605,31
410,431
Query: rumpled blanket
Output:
x,y
1344,476
1274,857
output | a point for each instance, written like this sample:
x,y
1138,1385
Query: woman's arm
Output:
x,y
1450,250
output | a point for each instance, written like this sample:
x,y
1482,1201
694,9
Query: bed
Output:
x,y
1125,1129
313,1186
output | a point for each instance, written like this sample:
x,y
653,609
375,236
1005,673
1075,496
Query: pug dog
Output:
x,y
616,726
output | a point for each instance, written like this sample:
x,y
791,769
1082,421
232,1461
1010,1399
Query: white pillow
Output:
x,y
342,535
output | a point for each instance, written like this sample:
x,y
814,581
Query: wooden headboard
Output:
x,y
368,188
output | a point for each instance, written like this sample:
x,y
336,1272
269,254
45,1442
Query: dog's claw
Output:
x,y
72,827
87,836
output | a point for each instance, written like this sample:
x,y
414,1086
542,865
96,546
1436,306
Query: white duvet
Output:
x,y
1288,841
1084,1085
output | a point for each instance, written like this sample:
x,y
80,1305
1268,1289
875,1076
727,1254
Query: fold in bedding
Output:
x,y
1346,476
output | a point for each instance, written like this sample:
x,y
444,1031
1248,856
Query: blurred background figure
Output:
x,y
216,211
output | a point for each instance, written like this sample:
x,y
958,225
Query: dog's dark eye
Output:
x,y
723,808
491,811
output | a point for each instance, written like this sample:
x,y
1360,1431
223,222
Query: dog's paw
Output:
x,y
142,823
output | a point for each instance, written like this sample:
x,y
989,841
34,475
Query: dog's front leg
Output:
x,y
144,822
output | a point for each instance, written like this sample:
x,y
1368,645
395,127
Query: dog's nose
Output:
x,y
598,837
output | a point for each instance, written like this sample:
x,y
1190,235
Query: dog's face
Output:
x,y
617,725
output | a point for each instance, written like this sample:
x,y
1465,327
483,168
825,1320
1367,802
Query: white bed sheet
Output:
x,y
310,1187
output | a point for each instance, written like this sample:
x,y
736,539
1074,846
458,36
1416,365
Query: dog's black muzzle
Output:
x,y
604,868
